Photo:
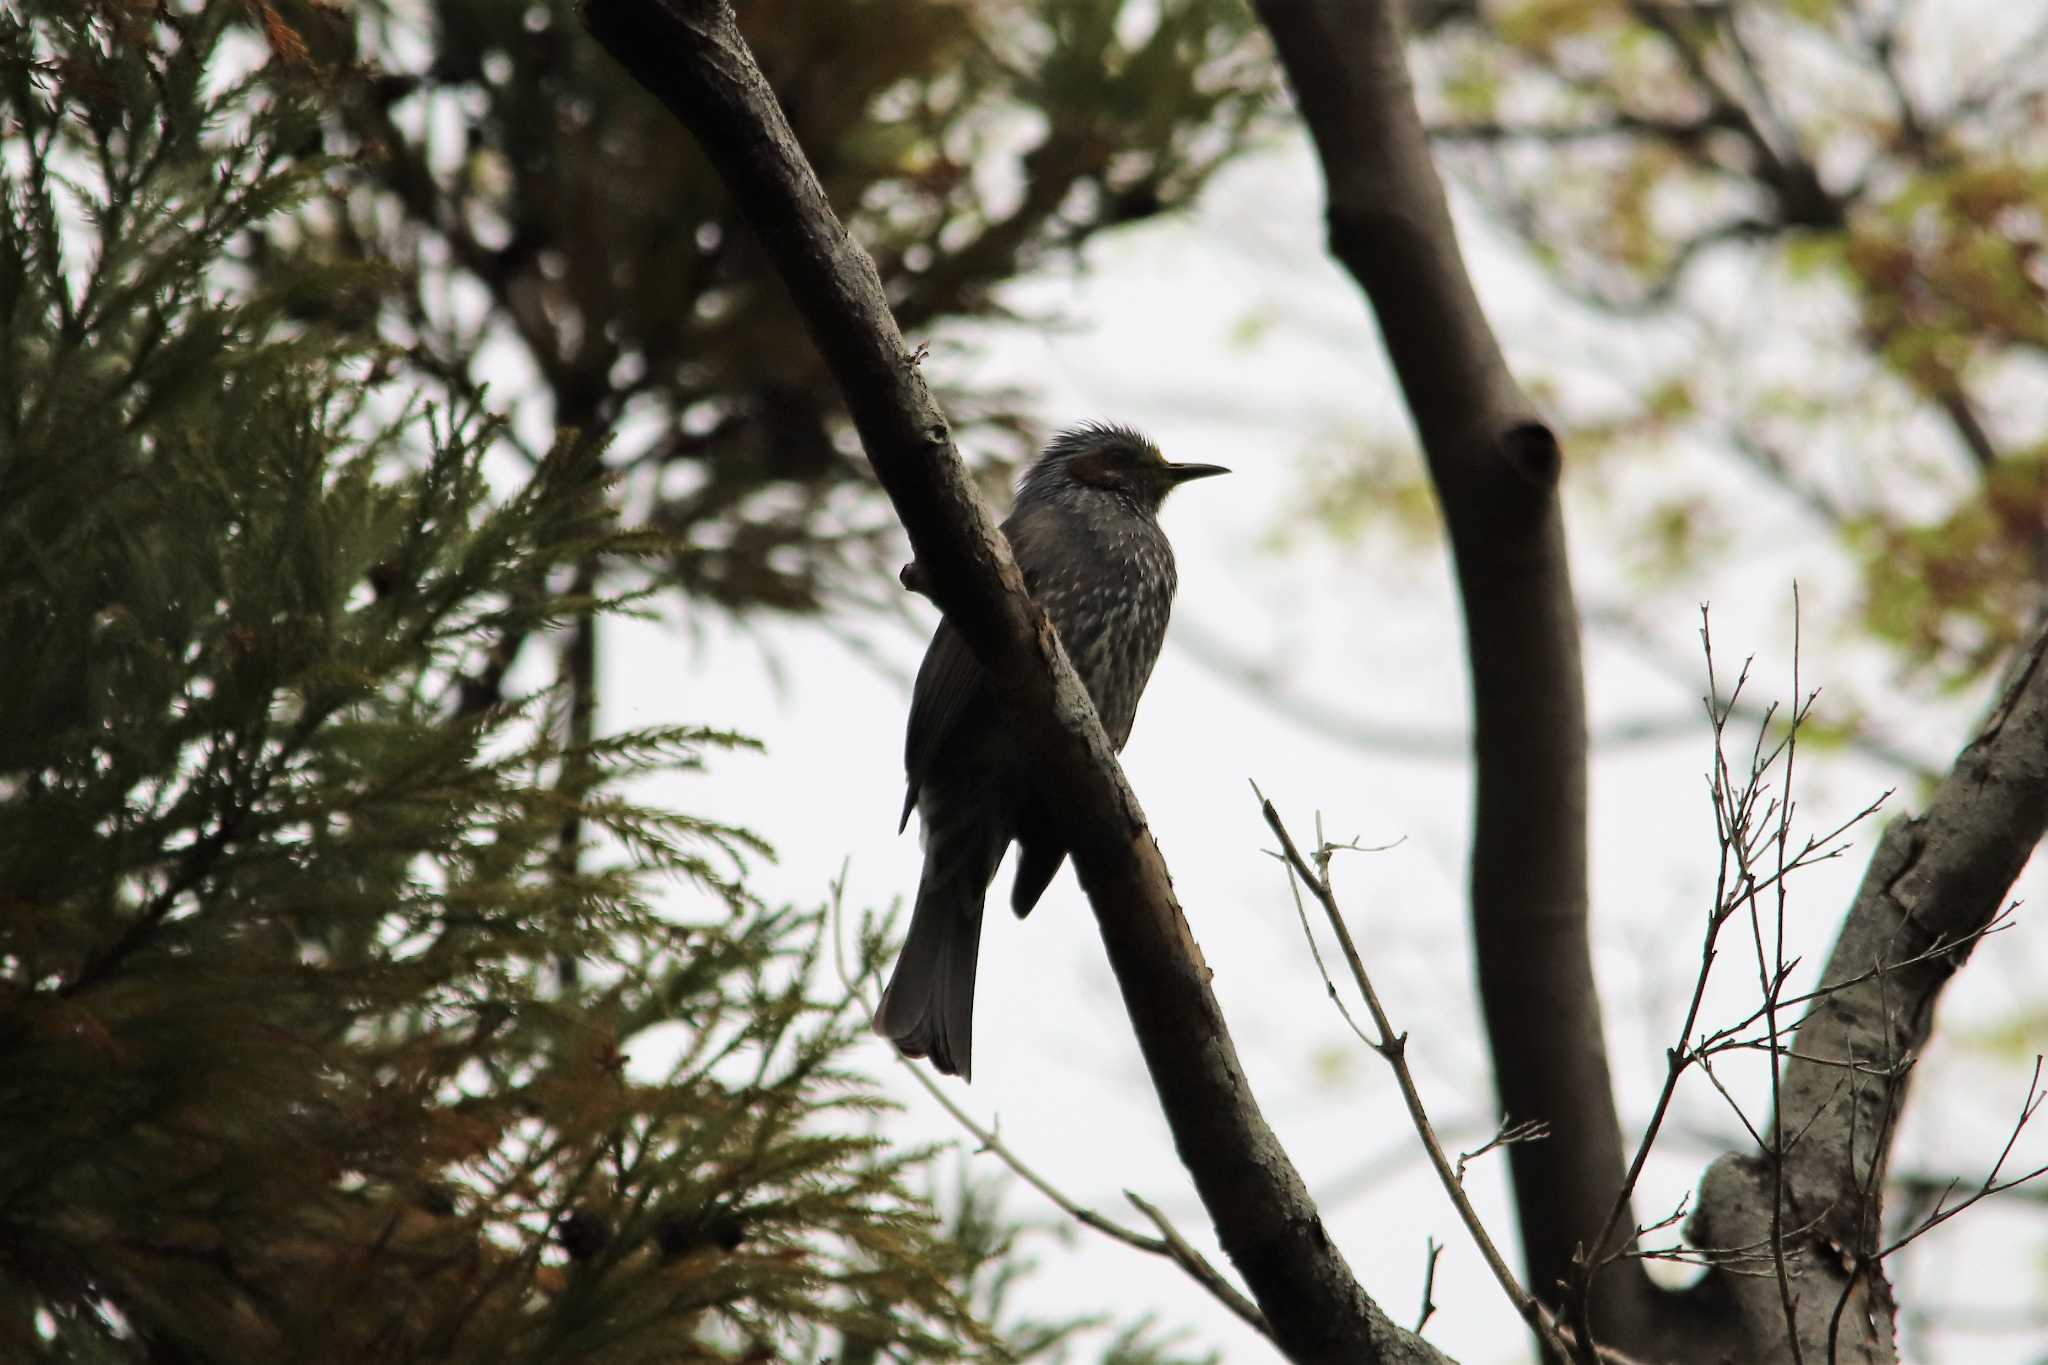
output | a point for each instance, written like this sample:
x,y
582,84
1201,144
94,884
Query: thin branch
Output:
x,y
1726,1038
1772,984
1991,1184
1621,124
1742,1116
1759,455
1752,1260
1970,428
1615,621
1747,820
1881,43
1935,885
1781,165
1192,1261
1393,1049
1507,1135
1432,1249
1369,1172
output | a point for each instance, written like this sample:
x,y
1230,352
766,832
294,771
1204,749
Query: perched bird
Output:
x,y
1085,531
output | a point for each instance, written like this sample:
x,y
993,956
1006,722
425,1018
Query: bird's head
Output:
x,y
1109,459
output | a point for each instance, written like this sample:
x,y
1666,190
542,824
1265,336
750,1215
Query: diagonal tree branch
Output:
x,y
1935,883
1495,466
690,55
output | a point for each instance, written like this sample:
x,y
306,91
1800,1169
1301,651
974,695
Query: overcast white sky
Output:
x,y
1153,332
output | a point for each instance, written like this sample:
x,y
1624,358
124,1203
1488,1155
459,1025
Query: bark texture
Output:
x,y
689,55
1495,466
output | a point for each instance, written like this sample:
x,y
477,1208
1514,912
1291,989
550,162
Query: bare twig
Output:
x,y
1747,820
1773,982
1706,1066
1371,1170
1752,1260
1943,1211
1433,1249
1937,881
1726,1039
1677,1057
1619,125
1615,621
1393,1048
1507,1135
1195,1264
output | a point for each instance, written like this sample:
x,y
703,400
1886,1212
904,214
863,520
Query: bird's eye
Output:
x,y
1105,469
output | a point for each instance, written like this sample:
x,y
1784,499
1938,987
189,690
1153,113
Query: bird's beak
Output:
x,y
1184,473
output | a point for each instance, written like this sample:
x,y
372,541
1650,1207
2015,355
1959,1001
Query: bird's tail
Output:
x,y
927,1010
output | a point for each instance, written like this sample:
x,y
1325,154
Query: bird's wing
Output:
x,y
948,681
951,680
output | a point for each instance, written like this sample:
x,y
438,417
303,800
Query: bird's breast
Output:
x,y
1111,606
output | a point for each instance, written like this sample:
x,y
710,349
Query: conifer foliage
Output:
x,y
290,1071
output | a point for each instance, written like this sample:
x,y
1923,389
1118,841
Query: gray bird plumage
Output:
x,y
1085,532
